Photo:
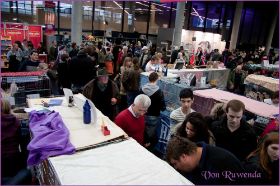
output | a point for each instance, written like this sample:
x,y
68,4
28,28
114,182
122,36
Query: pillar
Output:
x,y
131,5
179,23
271,33
76,22
236,25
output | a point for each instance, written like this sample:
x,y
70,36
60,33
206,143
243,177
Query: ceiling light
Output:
x,y
14,19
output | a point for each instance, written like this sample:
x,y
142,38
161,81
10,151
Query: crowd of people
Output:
x,y
206,150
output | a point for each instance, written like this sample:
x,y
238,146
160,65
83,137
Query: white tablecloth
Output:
x,y
82,135
124,163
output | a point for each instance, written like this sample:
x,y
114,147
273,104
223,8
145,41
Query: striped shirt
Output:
x,y
176,118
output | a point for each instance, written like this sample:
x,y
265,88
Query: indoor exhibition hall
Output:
x,y
155,92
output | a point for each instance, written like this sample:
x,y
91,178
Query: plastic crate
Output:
x,y
27,83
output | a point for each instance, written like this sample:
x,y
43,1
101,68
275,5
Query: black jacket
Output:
x,y
240,142
157,103
214,167
81,69
252,164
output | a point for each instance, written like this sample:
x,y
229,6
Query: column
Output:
x,y
76,22
179,23
271,33
131,5
40,16
236,24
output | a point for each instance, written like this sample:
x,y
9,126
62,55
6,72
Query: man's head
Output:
x,y
24,42
181,154
54,43
34,56
186,98
141,104
234,111
74,45
15,46
102,76
153,77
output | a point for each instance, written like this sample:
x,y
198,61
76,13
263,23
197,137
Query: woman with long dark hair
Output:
x,y
195,129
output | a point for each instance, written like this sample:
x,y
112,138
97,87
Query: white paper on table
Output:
x,y
93,112
67,93
268,101
37,108
79,101
265,63
203,81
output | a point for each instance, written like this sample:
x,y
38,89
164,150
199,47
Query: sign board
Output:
x,y
49,4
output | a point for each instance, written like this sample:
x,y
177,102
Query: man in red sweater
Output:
x,y
132,121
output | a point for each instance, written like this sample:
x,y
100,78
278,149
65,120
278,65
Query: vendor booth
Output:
x,y
99,159
205,98
191,40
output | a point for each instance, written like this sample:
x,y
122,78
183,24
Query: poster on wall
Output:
x,y
35,34
16,34
19,32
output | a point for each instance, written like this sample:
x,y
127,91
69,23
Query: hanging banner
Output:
x,y
35,34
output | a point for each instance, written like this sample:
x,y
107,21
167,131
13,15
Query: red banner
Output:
x,y
19,31
35,34
16,34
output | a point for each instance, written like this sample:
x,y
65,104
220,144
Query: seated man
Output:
x,y
31,64
104,93
178,116
202,163
233,133
132,120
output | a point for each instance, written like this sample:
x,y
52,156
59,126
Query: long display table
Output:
x,y
102,160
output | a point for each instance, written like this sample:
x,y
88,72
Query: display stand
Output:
x,y
6,45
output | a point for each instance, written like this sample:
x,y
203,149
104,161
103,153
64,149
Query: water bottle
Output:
x,y
87,114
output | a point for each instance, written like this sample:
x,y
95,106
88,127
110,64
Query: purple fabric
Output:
x,y
50,137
